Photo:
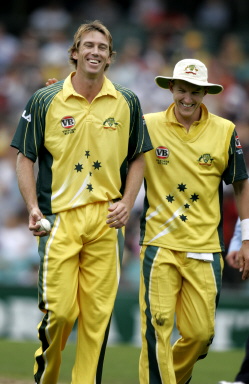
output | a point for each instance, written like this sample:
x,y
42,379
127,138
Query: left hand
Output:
x,y
118,216
243,259
232,259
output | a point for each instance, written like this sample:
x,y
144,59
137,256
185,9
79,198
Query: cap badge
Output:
x,y
191,69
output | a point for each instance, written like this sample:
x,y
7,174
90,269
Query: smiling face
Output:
x,y
188,98
93,54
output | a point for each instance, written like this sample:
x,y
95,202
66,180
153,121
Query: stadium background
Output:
x,y
150,36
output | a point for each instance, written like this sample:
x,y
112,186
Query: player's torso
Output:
x,y
183,176
88,144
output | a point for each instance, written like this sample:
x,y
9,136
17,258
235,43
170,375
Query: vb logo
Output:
x,y
162,152
67,122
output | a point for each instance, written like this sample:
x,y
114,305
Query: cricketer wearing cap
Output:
x,y
89,137
181,226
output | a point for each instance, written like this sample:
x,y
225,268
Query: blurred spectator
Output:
x,y
148,12
9,45
213,14
107,11
10,198
13,89
129,65
29,49
48,18
234,106
18,251
53,56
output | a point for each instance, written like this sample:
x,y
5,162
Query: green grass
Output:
x,y
121,364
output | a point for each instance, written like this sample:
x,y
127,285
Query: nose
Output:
x,y
95,50
187,97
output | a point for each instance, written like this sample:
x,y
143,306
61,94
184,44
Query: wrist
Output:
x,y
244,229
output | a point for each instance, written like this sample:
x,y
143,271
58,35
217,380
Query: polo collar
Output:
x,y
107,88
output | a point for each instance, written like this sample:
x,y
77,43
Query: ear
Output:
x,y
75,55
108,61
205,91
171,83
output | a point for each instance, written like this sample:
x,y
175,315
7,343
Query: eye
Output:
x,y
103,47
88,45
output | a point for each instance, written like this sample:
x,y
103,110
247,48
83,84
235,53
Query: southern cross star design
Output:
x,y
181,187
170,198
183,217
194,197
89,187
96,165
78,167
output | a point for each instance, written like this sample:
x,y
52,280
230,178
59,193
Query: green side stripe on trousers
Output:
x,y
154,374
218,274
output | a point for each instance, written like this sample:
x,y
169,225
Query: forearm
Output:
x,y
134,180
242,199
26,181
241,190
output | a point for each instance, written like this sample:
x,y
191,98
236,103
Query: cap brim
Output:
x,y
163,82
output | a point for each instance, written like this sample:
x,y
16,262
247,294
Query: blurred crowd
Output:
x,y
150,36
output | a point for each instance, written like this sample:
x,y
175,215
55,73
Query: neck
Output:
x,y
87,87
188,121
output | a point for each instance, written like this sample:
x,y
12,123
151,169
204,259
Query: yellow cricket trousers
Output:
x,y
173,285
78,279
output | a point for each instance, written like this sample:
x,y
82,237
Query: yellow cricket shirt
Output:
x,y
183,181
83,149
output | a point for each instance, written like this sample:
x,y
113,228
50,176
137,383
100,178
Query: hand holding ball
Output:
x,y
44,225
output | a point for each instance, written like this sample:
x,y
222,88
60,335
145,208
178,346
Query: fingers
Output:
x,y
243,258
244,267
117,221
51,81
245,274
118,215
232,259
34,217
245,270
40,233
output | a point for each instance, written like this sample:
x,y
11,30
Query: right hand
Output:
x,y
243,259
51,81
34,216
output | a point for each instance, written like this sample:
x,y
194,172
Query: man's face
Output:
x,y
188,98
93,54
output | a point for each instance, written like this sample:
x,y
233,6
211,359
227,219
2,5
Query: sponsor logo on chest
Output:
x,y
162,154
68,123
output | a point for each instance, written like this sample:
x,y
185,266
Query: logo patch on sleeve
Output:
x,y
237,142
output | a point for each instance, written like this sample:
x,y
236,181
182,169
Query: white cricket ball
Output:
x,y
44,225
